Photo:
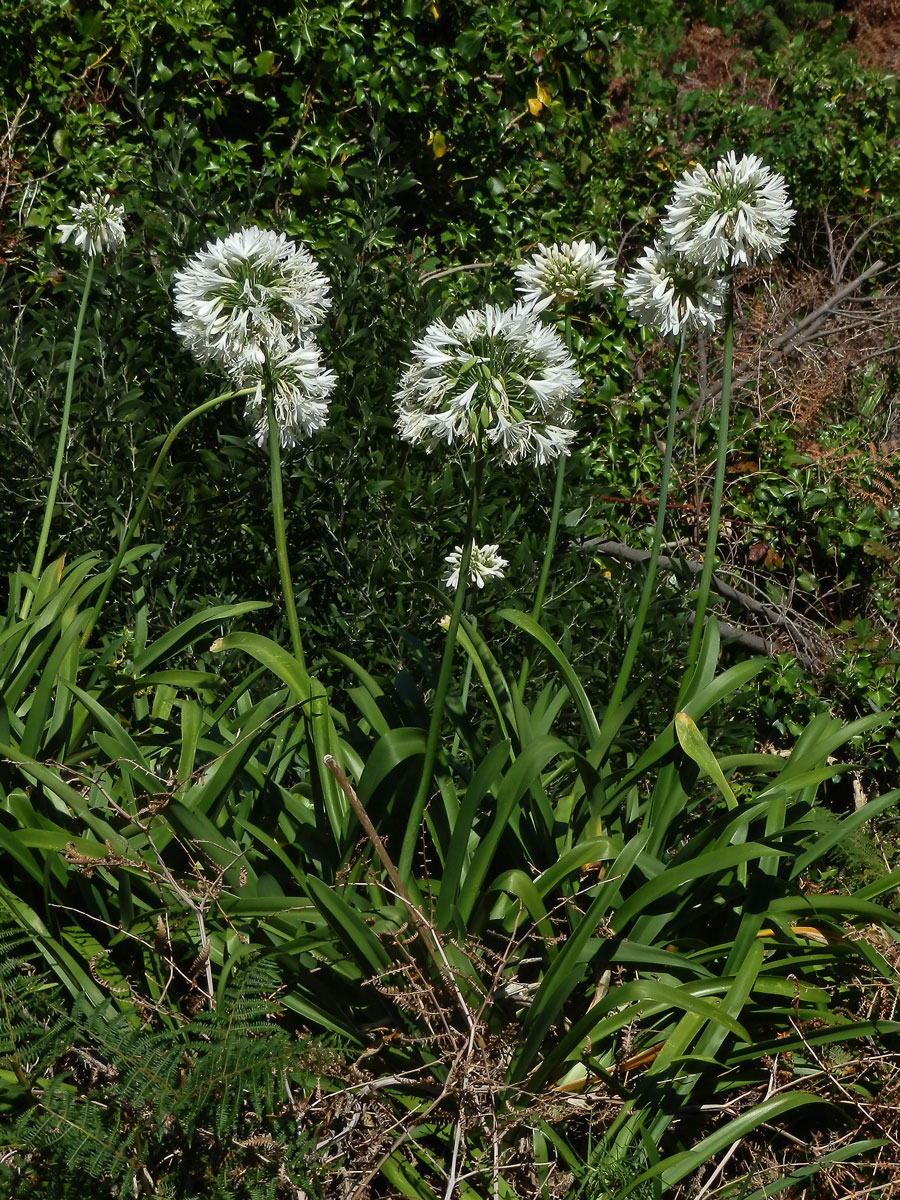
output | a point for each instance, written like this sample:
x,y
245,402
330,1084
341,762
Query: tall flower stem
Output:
x,y
544,576
715,508
284,566
640,619
145,495
440,697
61,443
541,592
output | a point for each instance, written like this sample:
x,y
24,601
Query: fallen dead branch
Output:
x,y
808,649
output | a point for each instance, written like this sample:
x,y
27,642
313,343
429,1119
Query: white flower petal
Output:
x,y
248,294
672,293
97,225
565,271
301,392
484,563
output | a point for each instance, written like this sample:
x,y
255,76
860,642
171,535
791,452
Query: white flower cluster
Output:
x,y
249,303
484,563
736,214
672,293
565,272
97,224
301,388
496,381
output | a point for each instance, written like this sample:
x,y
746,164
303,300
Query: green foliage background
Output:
x,y
325,120
398,142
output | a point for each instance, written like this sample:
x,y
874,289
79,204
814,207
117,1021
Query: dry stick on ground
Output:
x,y
432,942
766,612
161,872
806,328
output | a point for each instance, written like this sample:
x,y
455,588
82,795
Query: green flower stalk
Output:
x,y
715,507
559,275
674,296
96,228
500,385
649,587
61,442
284,567
133,523
249,303
737,214
544,577
462,572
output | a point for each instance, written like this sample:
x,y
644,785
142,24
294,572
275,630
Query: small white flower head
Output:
x,y
496,381
248,294
738,213
484,563
301,392
672,293
97,223
565,272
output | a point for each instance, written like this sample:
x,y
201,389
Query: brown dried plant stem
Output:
x,y
432,943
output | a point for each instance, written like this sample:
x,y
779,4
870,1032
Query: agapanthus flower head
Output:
x,y
565,272
248,294
672,293
97,223
738,213
484,563
301,390
497,381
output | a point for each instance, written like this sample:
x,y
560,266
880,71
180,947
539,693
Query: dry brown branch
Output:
x,y
443,272
804,331
807,652
457,1079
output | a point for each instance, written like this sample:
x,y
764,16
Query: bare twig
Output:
x,y
800,333
432,941
765,612
431,276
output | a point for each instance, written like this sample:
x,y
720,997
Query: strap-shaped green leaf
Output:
x,y
695,746
573,683
185,633
675,1167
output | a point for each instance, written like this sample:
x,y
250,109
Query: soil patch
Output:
x,y
875,33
